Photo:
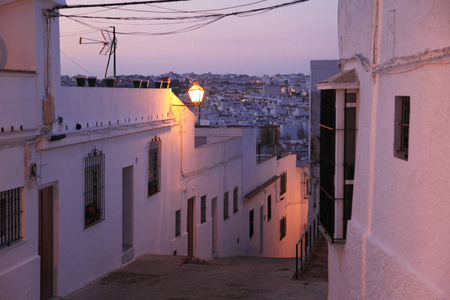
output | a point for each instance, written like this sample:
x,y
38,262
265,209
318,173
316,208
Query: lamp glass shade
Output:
x,y
196,93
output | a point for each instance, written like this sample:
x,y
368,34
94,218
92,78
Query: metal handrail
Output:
x,y
310,235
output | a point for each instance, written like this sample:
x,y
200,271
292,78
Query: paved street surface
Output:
x,y
316,268
173,277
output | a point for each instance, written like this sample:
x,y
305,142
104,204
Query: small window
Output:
x,y
283,183
269,207
306,187
235,199
225,206
401,133
10,216
178,222
200,141
154,165
282,227
94,190
250,223
203,209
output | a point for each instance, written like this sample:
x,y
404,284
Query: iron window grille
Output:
x,y
251,223
283,183
332,217
235,199
10,216
94,188
200,141
178,222
401,133
225,206
203,209
327,159
269,207
282,227
154,165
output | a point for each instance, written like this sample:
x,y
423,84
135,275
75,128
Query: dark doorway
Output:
x,y
261,229
215,233
191,226
127,214
46,241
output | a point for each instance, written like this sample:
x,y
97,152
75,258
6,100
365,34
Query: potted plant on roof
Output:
x,y
137,83
92,81
81,80
165,82
144,84
109,81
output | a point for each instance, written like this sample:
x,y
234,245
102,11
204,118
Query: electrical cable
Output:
x,y
57,7
75,62
199,16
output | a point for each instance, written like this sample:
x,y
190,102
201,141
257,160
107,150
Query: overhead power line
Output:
x,y
200,18
112,4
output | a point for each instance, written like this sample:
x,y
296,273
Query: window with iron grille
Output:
x,y
94,190
178,222
10,216
250,223
235,199
154,165
200,141
203,208
225,206
282,227
283,183
401,133
269,208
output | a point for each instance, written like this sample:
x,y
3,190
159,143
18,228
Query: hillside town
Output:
x,y
331,185
233,99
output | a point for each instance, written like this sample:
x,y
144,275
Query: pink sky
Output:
x,y
280,41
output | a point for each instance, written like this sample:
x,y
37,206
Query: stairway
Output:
x,y
316,267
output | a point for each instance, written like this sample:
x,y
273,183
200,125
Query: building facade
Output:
x,y
94,177
383,163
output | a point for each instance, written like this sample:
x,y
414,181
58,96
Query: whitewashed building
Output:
x,y
94,177
384,163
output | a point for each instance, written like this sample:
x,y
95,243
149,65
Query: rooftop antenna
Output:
x,y
109,46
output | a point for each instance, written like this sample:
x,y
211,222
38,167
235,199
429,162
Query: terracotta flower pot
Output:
x,y
109,82
137,83
165,82
81,80
92,81
144,84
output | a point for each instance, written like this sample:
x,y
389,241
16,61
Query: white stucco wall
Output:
x,y
394,249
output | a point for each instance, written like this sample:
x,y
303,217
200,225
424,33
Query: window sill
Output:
x,y
14,245
330,241
93,224
153,194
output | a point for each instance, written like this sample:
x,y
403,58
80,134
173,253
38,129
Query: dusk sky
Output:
x,y
280,41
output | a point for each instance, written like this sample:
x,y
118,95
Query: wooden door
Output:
x,y
46,241
190,225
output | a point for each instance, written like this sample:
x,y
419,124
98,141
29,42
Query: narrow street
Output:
x,y
174,277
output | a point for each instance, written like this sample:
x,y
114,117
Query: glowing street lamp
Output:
x,y
196,93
